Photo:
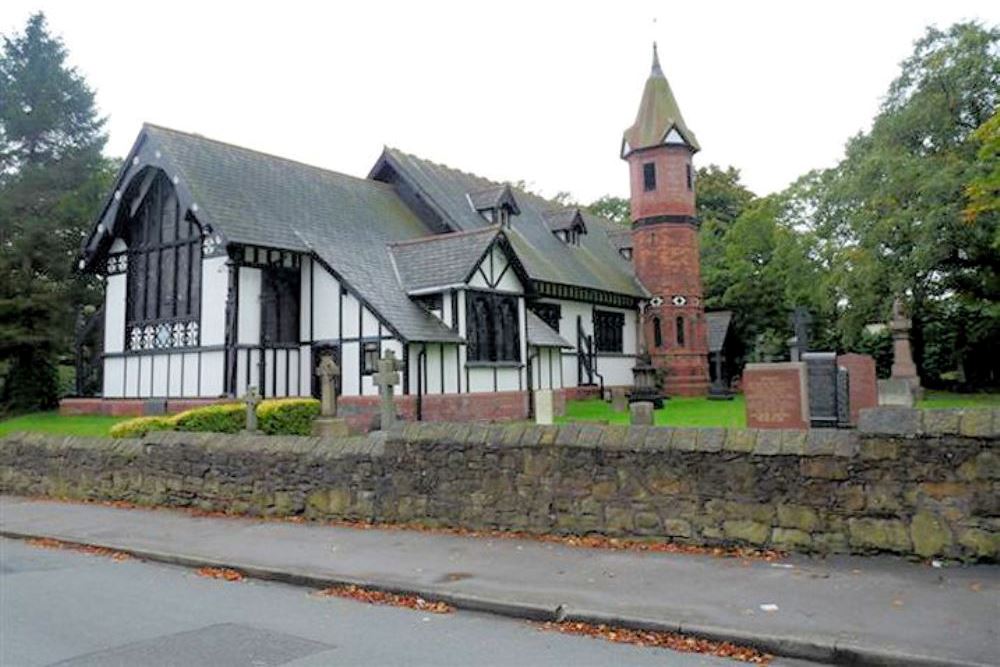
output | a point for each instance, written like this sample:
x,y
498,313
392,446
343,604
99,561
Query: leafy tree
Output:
x,y
52,180
615,209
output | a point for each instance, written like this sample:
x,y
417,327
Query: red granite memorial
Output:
x,y
776,395
863,385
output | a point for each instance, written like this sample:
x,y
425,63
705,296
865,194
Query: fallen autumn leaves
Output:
x,y
372,596
224,573
49,543
667,640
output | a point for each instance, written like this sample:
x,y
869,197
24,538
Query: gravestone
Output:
x,y
799,342
641,413
252,401
328,424
895,392
862,383
821,370
543,406
619,399
903,367
777,395
843,398
386,380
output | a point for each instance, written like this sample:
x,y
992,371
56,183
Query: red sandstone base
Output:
x,y
776,395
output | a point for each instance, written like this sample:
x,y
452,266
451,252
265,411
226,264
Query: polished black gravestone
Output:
x,y
828,403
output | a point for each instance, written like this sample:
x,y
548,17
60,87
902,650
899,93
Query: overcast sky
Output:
x,y
539,91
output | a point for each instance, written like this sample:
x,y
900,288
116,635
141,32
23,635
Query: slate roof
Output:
x,y
494,197
718,327
442,260
658,113
260,199
595,263
541,334
564,218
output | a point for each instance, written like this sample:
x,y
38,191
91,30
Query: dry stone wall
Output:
x,y
920,483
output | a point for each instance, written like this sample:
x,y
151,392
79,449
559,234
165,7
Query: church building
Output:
x,y
226,268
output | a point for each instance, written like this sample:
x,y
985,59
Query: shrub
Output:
x,y
140,426
287,416
223,418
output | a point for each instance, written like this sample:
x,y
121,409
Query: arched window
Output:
x,y
680,331
164,269
657,333
492,327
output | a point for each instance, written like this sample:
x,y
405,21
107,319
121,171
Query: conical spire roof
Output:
x,y
658,114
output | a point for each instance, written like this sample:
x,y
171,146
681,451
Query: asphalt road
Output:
x,y
73,609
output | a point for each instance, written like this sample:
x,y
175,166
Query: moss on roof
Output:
x,y
658,114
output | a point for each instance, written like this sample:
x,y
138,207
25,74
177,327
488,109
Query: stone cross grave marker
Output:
x,y
386,379
801,319
252,399
328,371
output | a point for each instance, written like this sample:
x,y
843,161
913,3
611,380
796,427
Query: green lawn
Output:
x,y
946,399
53,422
675,412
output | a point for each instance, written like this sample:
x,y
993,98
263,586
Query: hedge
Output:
x,y
280,416
287,416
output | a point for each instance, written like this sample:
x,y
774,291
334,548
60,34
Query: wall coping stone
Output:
x,y
912,422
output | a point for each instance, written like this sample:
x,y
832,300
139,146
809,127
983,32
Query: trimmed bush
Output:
x,y
287,416
223,418
140,426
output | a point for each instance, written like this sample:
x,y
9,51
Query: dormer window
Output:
x,y
566,224
496,204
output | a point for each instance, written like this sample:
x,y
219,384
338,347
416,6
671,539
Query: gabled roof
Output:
x,y
259,199
718,327
494,197
541,334
595,263
442,260
658,114
560,219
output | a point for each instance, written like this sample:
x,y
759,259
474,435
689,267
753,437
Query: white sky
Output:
x,y
539,91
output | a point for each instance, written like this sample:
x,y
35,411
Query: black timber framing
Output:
x,y
584,295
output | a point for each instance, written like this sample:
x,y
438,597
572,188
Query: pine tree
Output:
x,y
52,178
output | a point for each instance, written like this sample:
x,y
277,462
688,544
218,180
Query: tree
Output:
x,y
895,213
52,180
615,209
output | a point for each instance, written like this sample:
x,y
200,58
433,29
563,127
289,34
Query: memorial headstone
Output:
x,y
862,382
619,399
386,379
843,397
252,401
799,342
641,413
544,406
776,395
328,424
821,369
903,367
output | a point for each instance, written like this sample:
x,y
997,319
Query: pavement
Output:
x,y
847,610
156,615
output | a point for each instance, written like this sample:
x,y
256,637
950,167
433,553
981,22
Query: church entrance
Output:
x,y
318,350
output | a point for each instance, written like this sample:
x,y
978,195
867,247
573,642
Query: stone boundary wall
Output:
x,y
910,482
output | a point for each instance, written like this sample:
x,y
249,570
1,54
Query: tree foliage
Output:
x,y
52,179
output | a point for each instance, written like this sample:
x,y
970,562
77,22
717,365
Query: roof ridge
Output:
x,y
229,144
447,235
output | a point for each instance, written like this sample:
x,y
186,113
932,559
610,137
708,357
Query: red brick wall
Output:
x,y
128,407
671,195
862,381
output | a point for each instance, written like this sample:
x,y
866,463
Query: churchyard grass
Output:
x,y
53,422
675,412
946,399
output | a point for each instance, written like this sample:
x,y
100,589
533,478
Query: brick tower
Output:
x,y
658,148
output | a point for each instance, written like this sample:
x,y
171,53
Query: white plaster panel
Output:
x,y
280,365
160,375
350,368
305,370
432,369
369,324
248,330
145,376
569,369
508,380
351,315
616,370
478,281
214,290
326,312
118,245
450,369
446,314
305,298
132,376
213,371
114,313
175,366
480,379
190,387
114,377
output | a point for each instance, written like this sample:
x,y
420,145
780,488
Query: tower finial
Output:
x,y
656,62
